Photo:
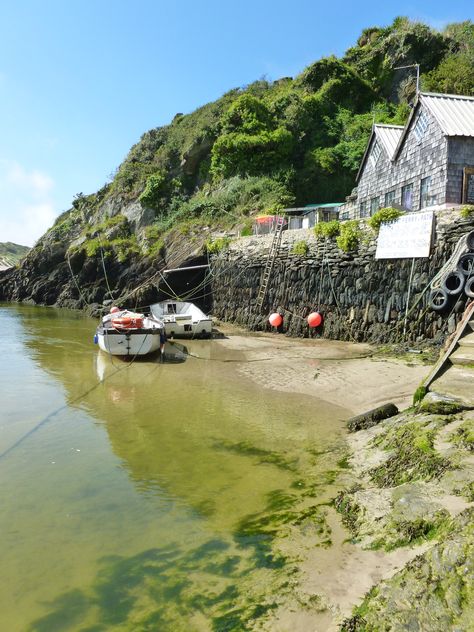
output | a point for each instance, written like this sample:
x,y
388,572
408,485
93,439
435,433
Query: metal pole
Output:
x,y
408,297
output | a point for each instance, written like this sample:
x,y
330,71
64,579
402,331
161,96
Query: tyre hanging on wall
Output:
x,y
453,283
466,264
469,287
438,299
470,240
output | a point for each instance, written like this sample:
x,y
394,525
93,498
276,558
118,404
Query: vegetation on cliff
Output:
x,y
257,149
291,141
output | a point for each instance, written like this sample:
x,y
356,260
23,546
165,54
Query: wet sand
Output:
x,y
346,374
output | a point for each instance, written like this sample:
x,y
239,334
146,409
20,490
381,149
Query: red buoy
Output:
x,y
275,319
315,319
114,309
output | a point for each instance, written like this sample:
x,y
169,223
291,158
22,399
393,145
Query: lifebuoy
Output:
x,y
127,322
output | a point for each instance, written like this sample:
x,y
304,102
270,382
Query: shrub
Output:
x,y
467,211
327,229
154,191
214,246
349,236
300,248
125,248
383,215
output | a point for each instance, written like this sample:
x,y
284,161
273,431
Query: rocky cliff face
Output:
x,y
81,271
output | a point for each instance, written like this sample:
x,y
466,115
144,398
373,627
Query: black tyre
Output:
x,y
466,264
469,287
470,240
438,299
453,283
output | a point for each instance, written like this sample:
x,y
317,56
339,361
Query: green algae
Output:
x,y
412,457
245,448
464,435
440,582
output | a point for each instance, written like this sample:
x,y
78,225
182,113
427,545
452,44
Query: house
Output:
x,y
428,163
311,214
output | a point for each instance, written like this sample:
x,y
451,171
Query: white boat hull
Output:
x,y
188,329
129,344
182,319
124,333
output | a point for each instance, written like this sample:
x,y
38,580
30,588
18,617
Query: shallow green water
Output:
x,y
149,496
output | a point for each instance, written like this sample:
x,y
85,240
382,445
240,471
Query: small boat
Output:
x,y
182,319
125,333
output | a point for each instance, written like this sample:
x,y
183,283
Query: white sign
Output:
x,y
406,237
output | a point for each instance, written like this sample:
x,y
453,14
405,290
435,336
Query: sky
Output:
x,y
82,80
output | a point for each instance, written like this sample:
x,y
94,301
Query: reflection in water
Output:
x,y
155,499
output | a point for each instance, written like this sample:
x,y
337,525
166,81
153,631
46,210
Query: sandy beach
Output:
x,y
351,375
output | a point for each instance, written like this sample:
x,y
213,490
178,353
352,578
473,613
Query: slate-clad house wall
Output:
x,y
419,159
420,165
460,155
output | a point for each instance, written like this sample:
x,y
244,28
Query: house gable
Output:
x,y
383,139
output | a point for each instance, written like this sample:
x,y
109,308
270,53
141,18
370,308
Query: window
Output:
x,y
389,198
425,197
407,197
374,205
420,126
363,209
375,153
344,215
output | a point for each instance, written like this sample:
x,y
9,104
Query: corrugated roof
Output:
x,y
455,114
389,136
325,205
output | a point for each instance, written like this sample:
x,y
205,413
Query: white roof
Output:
x,y
389,136
454,113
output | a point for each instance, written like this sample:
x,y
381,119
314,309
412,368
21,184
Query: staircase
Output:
x,y
274,247
457,380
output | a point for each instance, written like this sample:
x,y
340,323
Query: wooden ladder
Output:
x,y
274,248
467,319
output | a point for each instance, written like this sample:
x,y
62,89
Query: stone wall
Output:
x,y
359,297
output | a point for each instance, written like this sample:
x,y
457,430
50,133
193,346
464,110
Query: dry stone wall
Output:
x,y
360,298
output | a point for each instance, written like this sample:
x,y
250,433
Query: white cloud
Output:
x,y
26,206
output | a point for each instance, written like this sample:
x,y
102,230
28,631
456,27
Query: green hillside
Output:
x,y
11,254
268,145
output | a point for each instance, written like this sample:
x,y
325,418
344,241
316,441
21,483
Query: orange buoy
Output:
x,y
315,319
114,309
275,319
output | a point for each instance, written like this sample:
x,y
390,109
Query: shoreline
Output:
x,y
355,378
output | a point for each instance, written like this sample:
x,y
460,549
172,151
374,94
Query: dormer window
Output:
x,y
375,153
420,126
